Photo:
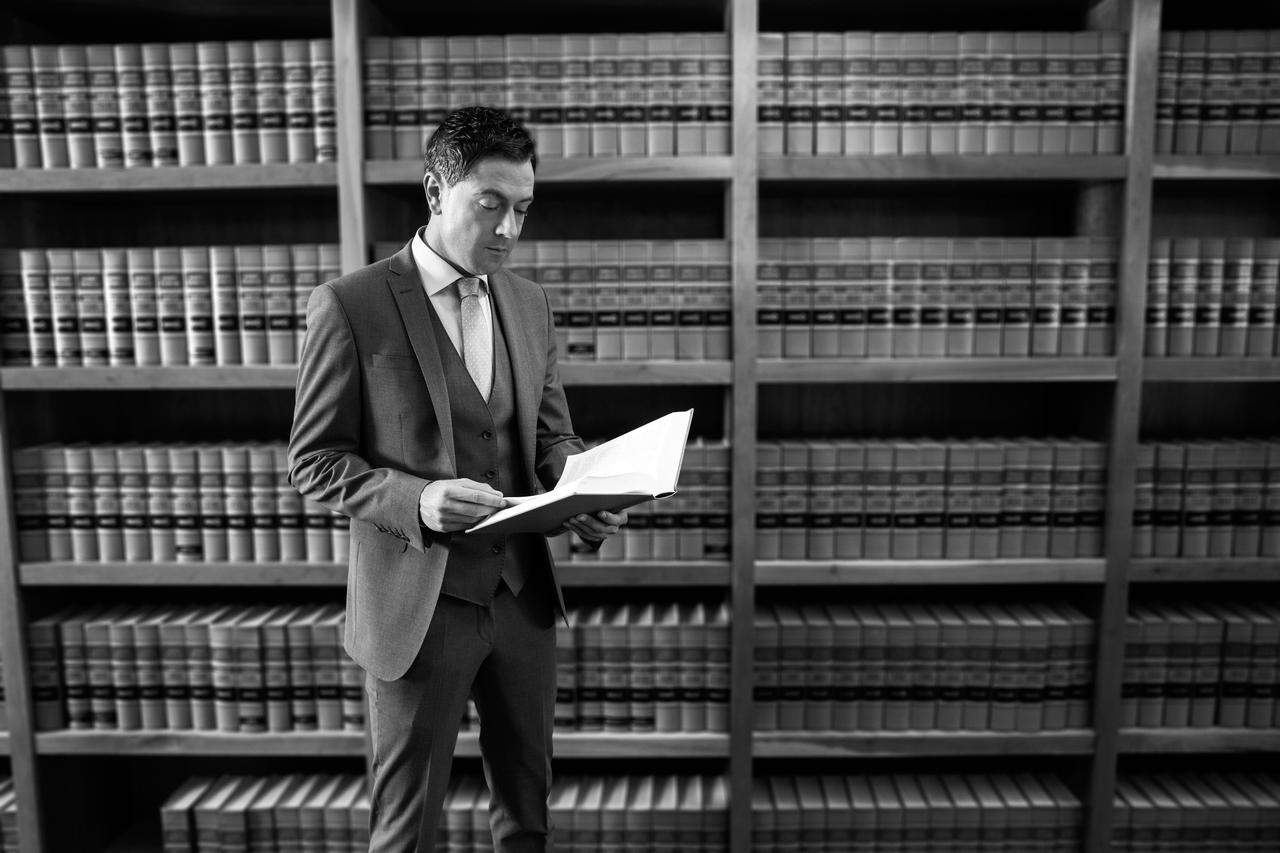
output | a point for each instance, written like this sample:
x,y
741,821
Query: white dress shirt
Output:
x,y
437,276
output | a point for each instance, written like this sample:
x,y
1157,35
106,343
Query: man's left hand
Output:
x,y
596,527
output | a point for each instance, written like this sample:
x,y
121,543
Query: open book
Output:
x,y
637,466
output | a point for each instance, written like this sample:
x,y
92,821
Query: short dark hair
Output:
x,y
468,135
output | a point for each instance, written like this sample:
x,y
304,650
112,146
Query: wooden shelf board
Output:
x,y
1204,570
609,745
179,178
649,169
908,572
1195,741
646,373
919,743
785,371
1211,369
143,378
200,743
943,167
575,573
1216,167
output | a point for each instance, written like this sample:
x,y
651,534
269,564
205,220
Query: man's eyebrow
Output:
x,y
500,194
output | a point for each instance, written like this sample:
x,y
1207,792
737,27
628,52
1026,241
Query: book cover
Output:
x,y
801,48
769,298
90,309
1189,113
223,668
1000,91
935,254
904,297
886,94
1237,281
1056,93
604,91
22,106
50,106
1049,300
171,307
573,96
233,816
690,112
1112,82
988,297
15,340
632,79
797,299
171,633
177,825
772,90
1082,91
79,491
878,299
914,90
269,100
859,88
326,667
830,293
105,486
690,286
323,100
117,308
73,74
1220,92
959,297
63,305
131,99
1170,56
242,91
303,714
608,301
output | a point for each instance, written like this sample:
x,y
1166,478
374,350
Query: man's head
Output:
x,y
478,179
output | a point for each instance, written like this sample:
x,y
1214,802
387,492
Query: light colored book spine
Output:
x,y
1207,333
1237,283
278,298
904,298
106,503
323,101
159,503
251,285
858,85
262,503
184,493
171,635
197,297
91,310
1220,91
801,58
1048,298
988,297
171,307
212,506
404,84
1082,92
301,677
1017,299
1264,294
1001,92
184,69
878,299
222,669
717,93
886,94
63,308
50,106
574,96
117,307
603,93
144,307
1056,93
225,305
158,91
22,106
546,114
131,98
242,91
326,639
15,338
934,256
960,297
215,102
660,94
306,265
915,72
147,660
1074,318
690,94
288,510
588,627
269,100
608,300
236,502
75,672
134,509
772,94
972,84
73,72
1111,92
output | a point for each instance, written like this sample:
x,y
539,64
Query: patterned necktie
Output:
x,y
477,336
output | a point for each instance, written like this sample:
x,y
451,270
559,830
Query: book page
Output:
x,y
647,450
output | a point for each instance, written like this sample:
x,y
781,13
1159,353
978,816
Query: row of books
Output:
x,y
910,297
184,503
886,813
232,502
1196,811
1207,499
1218,92
10,842
272,814
635,299
884,93
659,666
202,667
580,95
168,306
1211,296
1202,664
1024,667
900,499
185,104
693,524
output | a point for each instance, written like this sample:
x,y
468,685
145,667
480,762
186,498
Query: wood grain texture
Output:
x,y
966,167
169,178
919,744
927,572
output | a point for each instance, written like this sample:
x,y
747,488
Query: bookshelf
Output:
x,y
1108,195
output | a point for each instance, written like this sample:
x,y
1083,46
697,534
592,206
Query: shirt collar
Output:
x,y
436,272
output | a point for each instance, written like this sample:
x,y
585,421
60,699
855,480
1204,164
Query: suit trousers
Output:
x,y
502,656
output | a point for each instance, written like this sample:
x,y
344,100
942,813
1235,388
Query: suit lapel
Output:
x,y
525,360
411,299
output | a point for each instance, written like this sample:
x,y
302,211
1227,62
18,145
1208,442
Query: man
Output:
x,y
427,390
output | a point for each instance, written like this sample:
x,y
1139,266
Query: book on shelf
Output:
x,y
639,465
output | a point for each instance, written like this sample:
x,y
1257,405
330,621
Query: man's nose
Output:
x,y
508,226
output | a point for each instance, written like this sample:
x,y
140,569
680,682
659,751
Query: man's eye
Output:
x,y
524,212
488,204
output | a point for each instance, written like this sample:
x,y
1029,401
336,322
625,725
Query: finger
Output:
x,y
614,519
477,498
476,486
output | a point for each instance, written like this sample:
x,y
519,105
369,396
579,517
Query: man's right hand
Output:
x,y
446,506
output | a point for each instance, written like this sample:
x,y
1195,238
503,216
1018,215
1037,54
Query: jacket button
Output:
x,y
487,434
490,474
496,549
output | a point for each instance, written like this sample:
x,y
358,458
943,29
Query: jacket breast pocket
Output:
x,y
393,362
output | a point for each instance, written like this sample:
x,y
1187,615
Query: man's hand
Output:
x,y
596,527
446,506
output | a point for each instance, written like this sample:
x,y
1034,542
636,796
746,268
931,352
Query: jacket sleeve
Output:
x,y
324,460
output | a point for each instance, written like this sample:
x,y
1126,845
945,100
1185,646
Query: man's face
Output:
x,y
476,222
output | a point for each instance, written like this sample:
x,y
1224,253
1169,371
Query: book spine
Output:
x,y
144,307
171,307
188,115
225,305
236,503
904,297
305,262
150,681
269,100
50,106
302,696
1264,292
158,94
402,90
603,94
242,91
63,306
197,295
159,504
1075,327
1237,283
131,96
37,307
106,503
288,510
323,101
212,503
131,467
118,313
1207,333
223,675
262,504
75,675
771,82
15,337
29,505
23,113
91,307
278,303
46,677
250,686
1167,90
102,704
1220,91
251,286
573,96
328,678
184,474
73,66
215,102
887,83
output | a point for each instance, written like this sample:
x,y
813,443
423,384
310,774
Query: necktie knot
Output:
x,y
468,286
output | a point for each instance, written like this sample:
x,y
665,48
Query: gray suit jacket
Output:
x,y
372,427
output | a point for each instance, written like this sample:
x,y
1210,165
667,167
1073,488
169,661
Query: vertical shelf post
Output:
x,y
349,18
13,647
742,215
1142,18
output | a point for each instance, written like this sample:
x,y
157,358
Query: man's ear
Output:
x,y
434,190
